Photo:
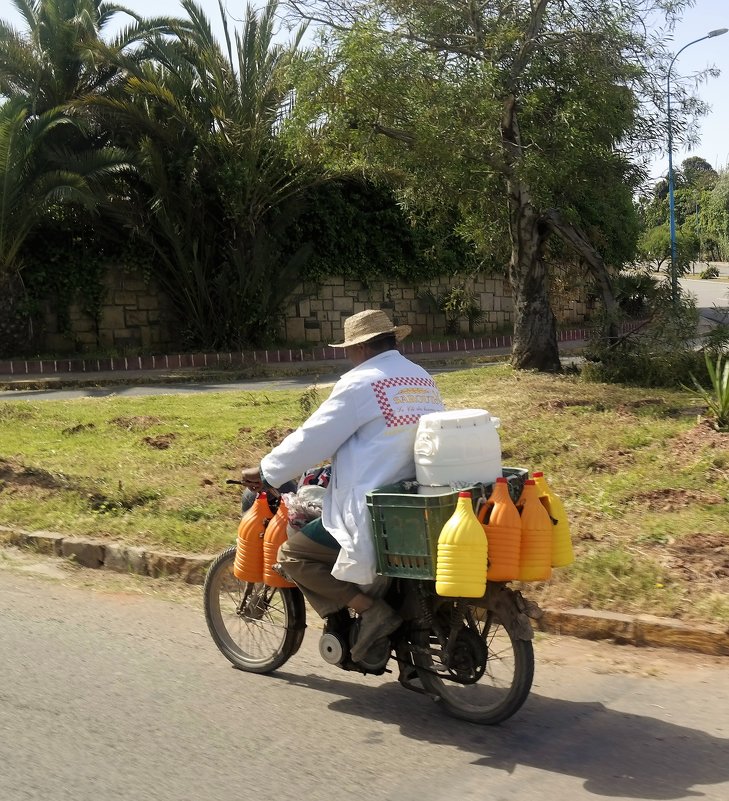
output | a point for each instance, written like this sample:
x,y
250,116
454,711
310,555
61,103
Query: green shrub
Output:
x,y
712,271
660,353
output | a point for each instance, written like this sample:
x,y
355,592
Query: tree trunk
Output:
x,y
535,329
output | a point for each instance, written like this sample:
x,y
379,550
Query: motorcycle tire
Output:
x,y
257,628
489,674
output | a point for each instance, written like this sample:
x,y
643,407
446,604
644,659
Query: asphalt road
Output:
x,y
111,689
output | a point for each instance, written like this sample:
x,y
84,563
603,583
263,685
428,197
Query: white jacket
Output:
x,y
367,427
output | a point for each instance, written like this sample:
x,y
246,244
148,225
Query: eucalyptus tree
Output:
x,y
216,192
534,114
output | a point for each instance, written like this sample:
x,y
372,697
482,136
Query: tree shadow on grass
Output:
x,y
615,753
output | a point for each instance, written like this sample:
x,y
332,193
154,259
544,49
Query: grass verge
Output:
x,y
645,480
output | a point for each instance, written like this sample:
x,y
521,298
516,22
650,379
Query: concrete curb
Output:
x,y
638,630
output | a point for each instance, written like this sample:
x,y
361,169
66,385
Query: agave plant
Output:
x,y
717,397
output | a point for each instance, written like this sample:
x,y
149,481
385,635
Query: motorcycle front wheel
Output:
x,y
480,672
256,627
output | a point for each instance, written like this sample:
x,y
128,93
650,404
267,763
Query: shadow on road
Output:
x,y
615,753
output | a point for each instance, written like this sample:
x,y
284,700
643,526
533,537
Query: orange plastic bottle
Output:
x,y
535,561
248,565
462,553
276,535
503,532
562,552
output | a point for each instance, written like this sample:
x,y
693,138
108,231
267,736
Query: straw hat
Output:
x,y
369,324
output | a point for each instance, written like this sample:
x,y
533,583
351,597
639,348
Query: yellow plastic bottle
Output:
x,y
276,535
462,553
562,551
248,565
535,561
503,532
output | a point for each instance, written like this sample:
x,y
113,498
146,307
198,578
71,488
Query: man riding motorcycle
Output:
x,y
367,426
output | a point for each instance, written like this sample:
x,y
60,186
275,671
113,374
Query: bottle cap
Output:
x,y
538,474
531,482
464,494
501,481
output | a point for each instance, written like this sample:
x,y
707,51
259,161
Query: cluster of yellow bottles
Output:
x,y
259,538
522,541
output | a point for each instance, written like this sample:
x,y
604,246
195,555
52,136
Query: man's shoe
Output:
x,y
377,622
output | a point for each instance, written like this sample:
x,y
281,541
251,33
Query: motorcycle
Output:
x,y
473,656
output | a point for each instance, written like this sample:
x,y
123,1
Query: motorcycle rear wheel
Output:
x,y
257,628
494,681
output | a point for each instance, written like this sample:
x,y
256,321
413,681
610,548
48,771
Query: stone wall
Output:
x,y
315,314
137,318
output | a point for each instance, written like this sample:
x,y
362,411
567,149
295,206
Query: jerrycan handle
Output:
x,y
483,510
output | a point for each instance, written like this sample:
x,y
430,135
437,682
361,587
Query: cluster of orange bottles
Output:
x,y
259,538
529,538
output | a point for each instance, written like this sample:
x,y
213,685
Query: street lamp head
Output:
x,y
717,32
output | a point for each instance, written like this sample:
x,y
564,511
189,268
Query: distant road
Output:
x,y
707,293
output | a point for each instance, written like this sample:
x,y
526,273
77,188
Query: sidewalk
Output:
x,y
231,365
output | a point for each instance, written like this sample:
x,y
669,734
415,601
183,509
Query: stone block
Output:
x,y
115,557
86,338
46,542
111,317
164,564
147,302
665,632
134,284
343,304
295,329
135,317
125,299
588,624
136,559
304,308
88,553
194,569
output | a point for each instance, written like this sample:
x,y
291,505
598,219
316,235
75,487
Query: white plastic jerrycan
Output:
x,y
457,448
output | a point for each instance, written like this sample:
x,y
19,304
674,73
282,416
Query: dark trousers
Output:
x,y
309,564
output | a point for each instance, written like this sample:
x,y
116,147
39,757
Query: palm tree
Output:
x,y
218,191
35,176
61,54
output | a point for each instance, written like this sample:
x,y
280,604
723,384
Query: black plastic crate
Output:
x,y
407,525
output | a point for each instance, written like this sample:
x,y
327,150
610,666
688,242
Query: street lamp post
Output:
x,y
671,207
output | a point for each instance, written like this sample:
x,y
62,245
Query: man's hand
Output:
x,y
251,477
